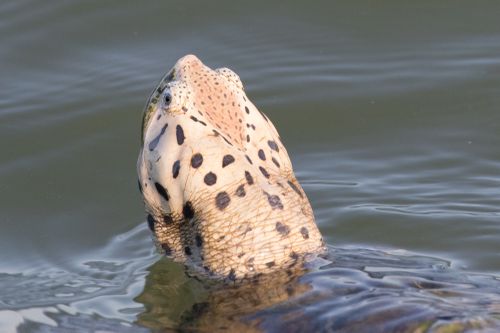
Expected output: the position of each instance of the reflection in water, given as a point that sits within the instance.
(211, 305)
(351, 290)
(355, 290)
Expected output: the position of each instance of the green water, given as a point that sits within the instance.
(389, 110)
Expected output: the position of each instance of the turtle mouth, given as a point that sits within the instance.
(153, 101)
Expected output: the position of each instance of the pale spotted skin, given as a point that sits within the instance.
(217, 182)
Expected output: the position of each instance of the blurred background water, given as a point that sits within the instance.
(389, 110)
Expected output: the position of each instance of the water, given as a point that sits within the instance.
(388, 110)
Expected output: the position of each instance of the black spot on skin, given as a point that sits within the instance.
(202, 122)
(264, 172)
(275, 161)
(151, 223)
(240, 191)
(199, 241)
(210, 178)
(196, 160)
(194, 118)
(226, 160)
(283, 229)
(215, 132)
(179, 133)
(304, 232)
(295, 188)
(248, 159)
(162, 191)
(248, 138)
(184, 109)
(295, 258)
(249, 178)
(187, 250)
(262, 155)
(175, 168)
(167, 219)
(167, 249)
(241, 254)
(140, 186)
(154, 142)
(232, 275)
(273, 145)
(274, 201)
(227, 141)
(188, 210)
(247, 110)
(222, 200)
(270, 264)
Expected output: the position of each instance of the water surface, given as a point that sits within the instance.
(389, 111)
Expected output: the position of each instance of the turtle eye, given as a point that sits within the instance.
(167, 98)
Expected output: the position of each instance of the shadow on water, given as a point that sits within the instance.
(352, 290)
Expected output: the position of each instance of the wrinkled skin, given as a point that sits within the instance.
(217, 182)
